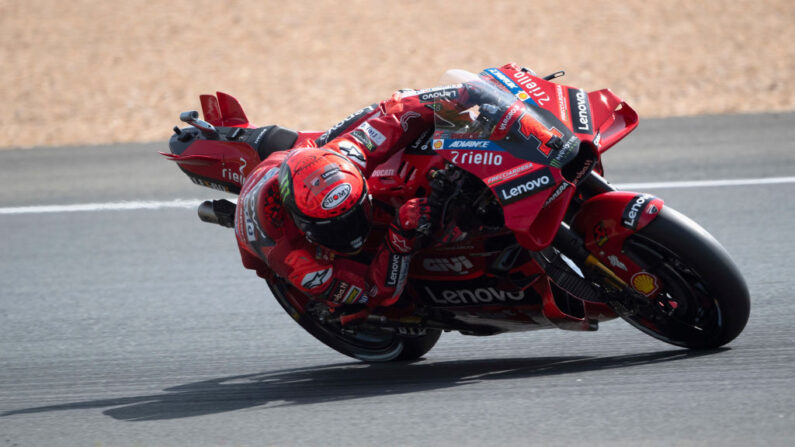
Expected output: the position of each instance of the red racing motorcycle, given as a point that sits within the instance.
(532, 236)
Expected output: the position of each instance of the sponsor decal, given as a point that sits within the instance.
(353, 294)
(236, 177)
(285, 184)
(653, 209)
(562, 110)
(514, 110)
(480, 295)
(397, 270)
(404, 120)
(586, 168)
(399, 243)
(375, 135)
(349, 120)
(523, 96)
(260, 135)
(338, 291)
(253, 229)
(485, 158)
(508, 174)
(634, 209)
(563, 186)
(353, 153)
(211, 185)
(566, 153)
(524, 186)
(336, 196)
(383, 173)
(421, 144)
(457, 264)
(360, 136)
(474, 144)
(331, 170)
(600, 234)
(615, 262)
(645, 283)
(437, 144)
(316, 279)
(504, 80)
(580, 111)
(270, 174)
(441, 93)
(529, 84)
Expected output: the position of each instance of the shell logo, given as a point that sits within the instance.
(645, 283)
(437, 144)
(523, 96)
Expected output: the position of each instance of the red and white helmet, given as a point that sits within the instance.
(326, 195)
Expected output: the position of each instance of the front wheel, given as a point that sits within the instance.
(375, 346)
(704, 302)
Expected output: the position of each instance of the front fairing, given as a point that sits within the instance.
(505, 137)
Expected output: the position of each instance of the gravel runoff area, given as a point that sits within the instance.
(95, 72)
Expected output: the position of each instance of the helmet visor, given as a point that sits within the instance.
(345, 233)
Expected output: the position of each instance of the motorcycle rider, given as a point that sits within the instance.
(303, 213)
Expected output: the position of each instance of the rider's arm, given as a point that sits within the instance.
(388, 272)
(394, 124)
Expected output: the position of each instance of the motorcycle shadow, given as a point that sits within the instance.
(346, 381)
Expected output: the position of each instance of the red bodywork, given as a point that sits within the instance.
(455, 276)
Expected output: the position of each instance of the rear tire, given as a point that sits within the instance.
(702, 288)
(367, 346)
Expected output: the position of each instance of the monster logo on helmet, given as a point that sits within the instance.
(284, 184)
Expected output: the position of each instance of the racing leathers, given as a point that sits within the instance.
(271, 244)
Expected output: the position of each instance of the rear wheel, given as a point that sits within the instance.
(377, 345)
(704, 302)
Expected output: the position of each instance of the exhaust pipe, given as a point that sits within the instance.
(221, 212)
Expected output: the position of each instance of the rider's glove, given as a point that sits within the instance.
(489, 114)
(412, 220)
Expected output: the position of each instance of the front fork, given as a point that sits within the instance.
(601, 221)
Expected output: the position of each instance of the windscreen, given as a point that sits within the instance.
(476, 114)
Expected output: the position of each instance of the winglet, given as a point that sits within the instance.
(231, 111)
(211, 110)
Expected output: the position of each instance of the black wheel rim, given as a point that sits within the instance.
(684, 312)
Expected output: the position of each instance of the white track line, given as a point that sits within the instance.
(193, 203)
(109, 206)
(708, 183)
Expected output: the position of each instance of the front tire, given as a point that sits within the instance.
(704, 302)
(375, 346)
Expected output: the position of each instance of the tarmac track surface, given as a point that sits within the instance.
(140, 327)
